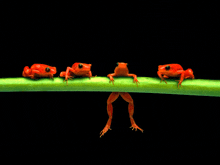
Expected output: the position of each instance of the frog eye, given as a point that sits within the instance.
(47, 69)
(80, 65)
(167, 67)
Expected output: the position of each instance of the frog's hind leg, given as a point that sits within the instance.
(26, 72)
(127, 97)
(35, 74)
(51, 76)
(113, 96)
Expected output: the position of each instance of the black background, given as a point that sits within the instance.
(142, 34)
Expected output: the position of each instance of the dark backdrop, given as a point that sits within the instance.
(142, 34)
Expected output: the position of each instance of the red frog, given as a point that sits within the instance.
(120, 70)
(39, 70)
(78, 69)
(174, 70)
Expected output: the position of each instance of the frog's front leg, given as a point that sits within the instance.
(90, 75)
(34, 73)
(63, 74)
(26, 72)
(68, 69)
(127, 97)
(51, 76)
(111, 77)
(135, 78)
(113, 96)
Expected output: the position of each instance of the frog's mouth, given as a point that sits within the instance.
(87, 68)
(161, 68)
(53, 70)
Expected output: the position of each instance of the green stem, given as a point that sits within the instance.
(121, 84)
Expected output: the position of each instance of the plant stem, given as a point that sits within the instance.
(121, 84)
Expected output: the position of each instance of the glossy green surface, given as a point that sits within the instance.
(121, 84)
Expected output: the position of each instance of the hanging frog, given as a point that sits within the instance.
(120, 70)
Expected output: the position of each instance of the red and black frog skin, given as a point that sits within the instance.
(174, 70)
(39, 70)
(120, 70)
(77, 69)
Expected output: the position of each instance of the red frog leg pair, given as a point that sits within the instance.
(127, 97)
(183, 75)
(127, 75)
(70, 75)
